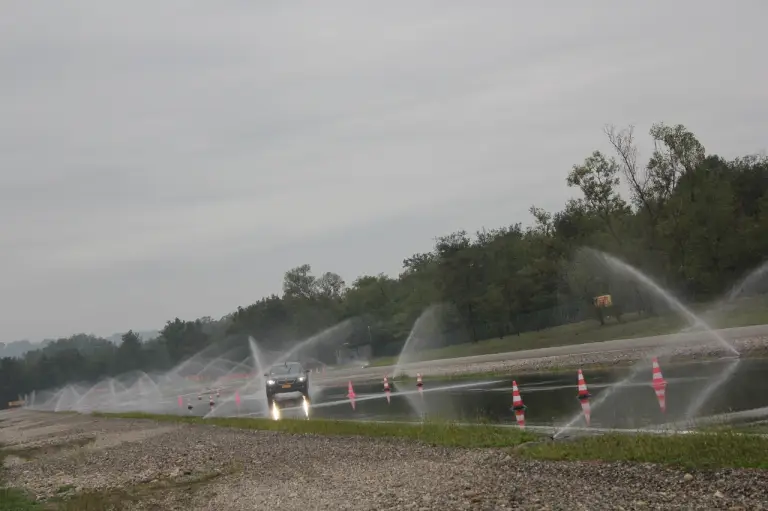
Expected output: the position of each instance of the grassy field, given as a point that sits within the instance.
(748, 312)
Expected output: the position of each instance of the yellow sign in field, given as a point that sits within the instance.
(603, 301)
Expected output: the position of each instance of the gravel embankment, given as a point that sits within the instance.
(757, 346)
(527, 361)
(263, 470)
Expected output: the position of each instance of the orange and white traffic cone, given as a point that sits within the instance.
(583, 396)
(351, 394)
(211, 402)
(518, 406)
(420, 385)
(659, 385)
(386, 388)
(586, 410)
(583, 392)
(199, 397)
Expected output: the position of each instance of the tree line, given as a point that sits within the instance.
(693, 220)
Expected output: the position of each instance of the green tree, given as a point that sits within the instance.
(129, 355)
(598, 180)
(299, 283)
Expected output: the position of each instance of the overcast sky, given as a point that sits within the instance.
(174, 158)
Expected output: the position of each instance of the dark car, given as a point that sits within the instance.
(288, 377)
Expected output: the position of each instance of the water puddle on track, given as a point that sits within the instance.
(550, 398)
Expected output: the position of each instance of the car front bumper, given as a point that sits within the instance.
(284, 388)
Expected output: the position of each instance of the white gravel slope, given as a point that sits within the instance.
(273, 471)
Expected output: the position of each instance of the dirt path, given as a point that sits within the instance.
(146, 465)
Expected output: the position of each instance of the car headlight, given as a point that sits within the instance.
(301, 379)
(270, 382)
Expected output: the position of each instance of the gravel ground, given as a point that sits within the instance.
(236, 469)
(755, 346)
(522, 361)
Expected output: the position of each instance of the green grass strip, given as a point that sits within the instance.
(430, 432)
(725, 449)
(12, 499)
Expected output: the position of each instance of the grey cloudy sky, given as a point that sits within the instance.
(174, 158)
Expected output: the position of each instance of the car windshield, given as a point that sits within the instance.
(285, 369)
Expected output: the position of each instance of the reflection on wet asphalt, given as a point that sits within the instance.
(550, 398)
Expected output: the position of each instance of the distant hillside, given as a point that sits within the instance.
(19, 348)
